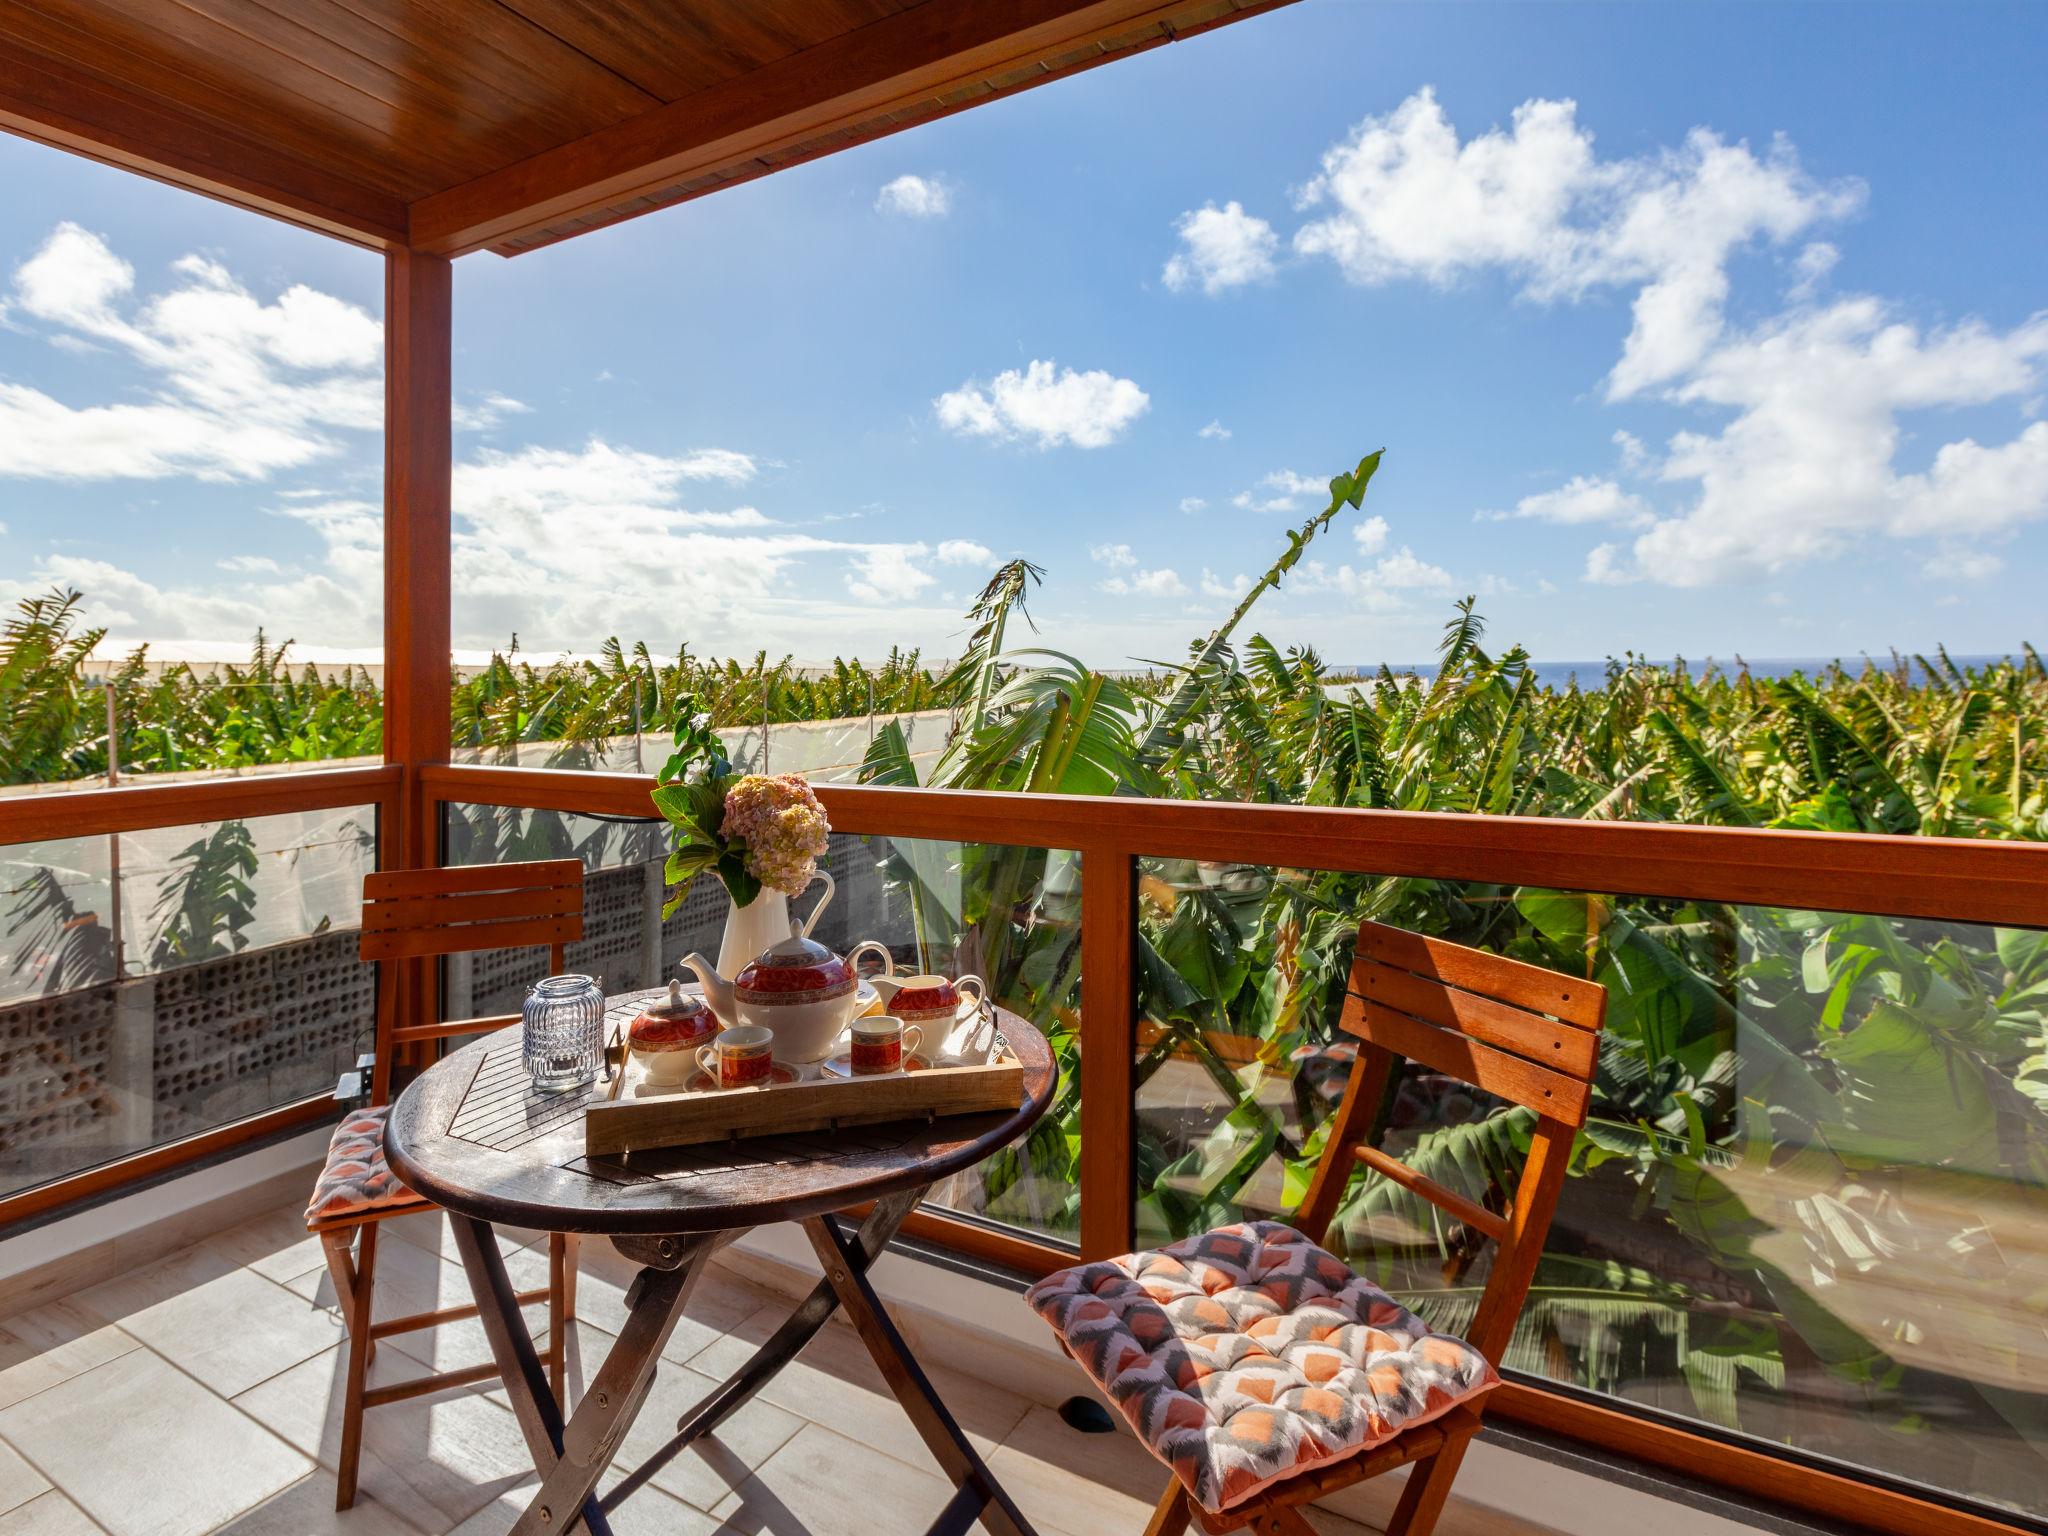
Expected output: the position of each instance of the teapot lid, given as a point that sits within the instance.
(677, 1005)
(798, 949)
(680, 1018)
(795, 965)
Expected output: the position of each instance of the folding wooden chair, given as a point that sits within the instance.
(1261, 1368)
(423, 913)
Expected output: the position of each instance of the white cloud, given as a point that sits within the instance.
(889, 573)
(1956, 562)
(1193, 503)
(242, 389)
(1118, 557)
(1160, 583)
(1215, 586)
(963, 552)
(250, 565)
(1403, 570)
(1287, 487)
(1807, 468)
(487, 412)
(1215, 432)
(1407, 200)
(1814, 262)
(1222, 248)
(1584, 499)
(1045, 403)
(1371, 535)
(1808, 410)
(916, 197)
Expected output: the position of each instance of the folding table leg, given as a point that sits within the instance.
(846, 1272)
(571, 1458)
(781, 1347)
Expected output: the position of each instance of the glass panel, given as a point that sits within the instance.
(1811, 1204)
(161, 983)
(616, 735)
(1011, 915)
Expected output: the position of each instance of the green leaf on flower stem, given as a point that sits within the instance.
(739, 883)
(673, 801)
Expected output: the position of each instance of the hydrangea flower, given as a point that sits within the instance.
(782, 826)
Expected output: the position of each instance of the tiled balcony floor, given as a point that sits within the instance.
(203, 1393)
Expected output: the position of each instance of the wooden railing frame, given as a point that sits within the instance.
(1947, 878)
(86, 813)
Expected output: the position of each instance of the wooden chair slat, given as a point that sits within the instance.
(389, 883)
(1496, 1072)
(1583, 1003)
(467, 907)
(468, 937)
(1491, 1223)
(1564, 1047)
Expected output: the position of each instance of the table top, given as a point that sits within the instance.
(472, 1134)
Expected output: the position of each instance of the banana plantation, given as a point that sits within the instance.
(1809, 1127)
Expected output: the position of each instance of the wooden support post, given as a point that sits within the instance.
(418, 431)
(1109, 1044)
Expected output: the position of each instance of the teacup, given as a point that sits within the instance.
(879, 1042)
(740, 1057)
(931, 1000)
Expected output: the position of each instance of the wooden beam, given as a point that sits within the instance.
(418, 468)
(57, 104)
(887, 66)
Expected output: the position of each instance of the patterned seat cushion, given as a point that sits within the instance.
(356, 1177)
(1248, 1355)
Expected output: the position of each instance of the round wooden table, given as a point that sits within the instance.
(471, 1134)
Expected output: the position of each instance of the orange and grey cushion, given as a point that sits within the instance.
(1249, 1355)
(356, 1177)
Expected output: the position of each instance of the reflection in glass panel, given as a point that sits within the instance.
(160, 983)
(1811, 1204)
(1010, 915)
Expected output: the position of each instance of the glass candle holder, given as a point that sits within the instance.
(563, 1044)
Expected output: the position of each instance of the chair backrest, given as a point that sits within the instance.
(414, 912)
(1513, 1030)
(423, 913)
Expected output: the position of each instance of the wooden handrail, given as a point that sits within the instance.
(138, 807)
(1958, 879)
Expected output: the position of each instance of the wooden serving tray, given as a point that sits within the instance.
(682, 1118)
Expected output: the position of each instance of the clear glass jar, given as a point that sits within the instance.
(564, 1040)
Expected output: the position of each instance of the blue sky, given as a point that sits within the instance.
(1696, 329)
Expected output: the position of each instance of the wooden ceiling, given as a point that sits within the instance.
(459, 125)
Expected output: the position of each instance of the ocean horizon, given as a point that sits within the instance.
(1591, 674)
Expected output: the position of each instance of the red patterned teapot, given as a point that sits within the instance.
(797, 989)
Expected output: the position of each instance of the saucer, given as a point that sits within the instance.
(701, 1081)
(841, 1067)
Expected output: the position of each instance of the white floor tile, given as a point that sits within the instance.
(147, 1451)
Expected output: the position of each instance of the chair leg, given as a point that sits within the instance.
(357, 1312)
(1171, 1516)
(1429, 1486)
(562, 1250)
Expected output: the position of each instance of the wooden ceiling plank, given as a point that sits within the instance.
(412, 94)
(56, 104)
(199, 90)
(670, 52)
(855, 78)
(535, 75)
